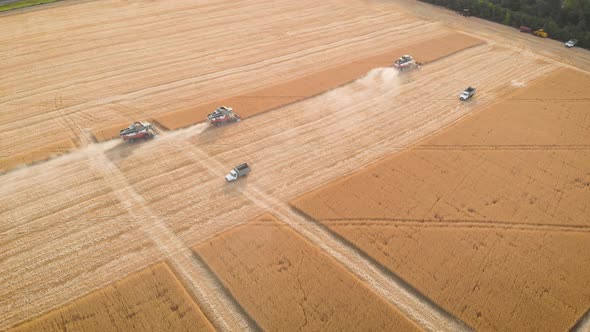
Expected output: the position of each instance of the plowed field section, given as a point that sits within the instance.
(285, 283)
(490, 219)
(150, 300)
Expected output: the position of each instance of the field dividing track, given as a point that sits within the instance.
(222, 310)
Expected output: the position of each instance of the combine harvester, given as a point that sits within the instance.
(138, 130)
(406, 62)
(223, 115)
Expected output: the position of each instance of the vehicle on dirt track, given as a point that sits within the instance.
(406, 62)
(465, 12)
(223, 114)
(467, 93)
(239, 171)
(138, 130)
(571, 43)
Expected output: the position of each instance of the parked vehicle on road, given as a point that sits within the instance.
(571, 43)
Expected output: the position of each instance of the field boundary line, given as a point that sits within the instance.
(456, 223)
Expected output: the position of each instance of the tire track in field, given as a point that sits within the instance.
(457, 223)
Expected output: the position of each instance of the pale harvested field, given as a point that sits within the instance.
(286, 283)
(134, 60)
(79, 222)
(491, 218)
(152, 299)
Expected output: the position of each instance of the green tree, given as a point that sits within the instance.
(507, 18)
(562, 19)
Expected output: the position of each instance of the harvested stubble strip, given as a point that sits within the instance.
(275, 96)
(108, 133)
(150, 300)
(285, 283)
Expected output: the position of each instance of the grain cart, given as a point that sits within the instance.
(138, 130)
(238, 172)
(223, 115)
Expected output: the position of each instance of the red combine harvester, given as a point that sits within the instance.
(138, 130)
(223, 115)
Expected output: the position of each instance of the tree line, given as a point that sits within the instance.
(561, 19)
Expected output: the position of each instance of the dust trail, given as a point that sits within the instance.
(114, 149)
(223, 311)
(40, 172)
(517, 84)
(414, 305)
(185, 133)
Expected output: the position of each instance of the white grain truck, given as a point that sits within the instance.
(238, 172)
